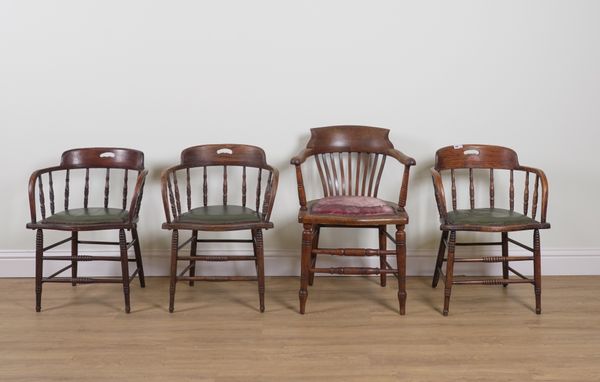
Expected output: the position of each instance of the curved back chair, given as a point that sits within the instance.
(350, 162)
(80, 167)
(469, 161)
(200, 215)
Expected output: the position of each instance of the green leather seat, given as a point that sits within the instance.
(488, 217)
(89, 216)
(220, 215)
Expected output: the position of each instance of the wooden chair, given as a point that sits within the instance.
(75, 166)
(350, 162)
(468, 161)
(224, 216)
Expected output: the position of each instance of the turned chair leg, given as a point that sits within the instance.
(313, 256)
(74, 250)
(173, 279)
(440, 259)
(138, 256)
(449, 272)
(39, 252)
(124, 268)
(307, 234)
(401, 262)
(537, 271)
(260, 266)
(193, 253)
(505, 254)
(382, 258)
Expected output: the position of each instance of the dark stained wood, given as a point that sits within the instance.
(364, 149)
(451, 159)
(218, 156)
(84, 159)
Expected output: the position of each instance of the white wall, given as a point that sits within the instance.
(163, 75)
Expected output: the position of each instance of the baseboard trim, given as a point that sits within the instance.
(420, 262)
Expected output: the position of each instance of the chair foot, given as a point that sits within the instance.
(303, 295)
(446, 301)
(538, 301)
(445, 313)
(402, 302)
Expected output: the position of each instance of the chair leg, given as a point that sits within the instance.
(173, 279)
(505, 254)
(39, 252)
(313, 257)
(449, 272)
(124, 268)
(307, 234)
(440, 259)
(383, 258)
(537, 271)
(401, 261)
(193, 253)
(138, 256)
(260, 266)
(74, 248)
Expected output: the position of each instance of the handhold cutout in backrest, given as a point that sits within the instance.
(107, 154)
(225, 151)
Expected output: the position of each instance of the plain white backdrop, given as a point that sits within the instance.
(160, 76)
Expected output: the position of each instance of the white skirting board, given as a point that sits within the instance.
(287, 263)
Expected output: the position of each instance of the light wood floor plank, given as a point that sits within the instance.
(352, 332)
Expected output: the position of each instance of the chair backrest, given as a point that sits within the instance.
(350, 159)
(476, 156)
(232, 158)
(103, 157)
(74, 172)
(224, 155)
(469, 160)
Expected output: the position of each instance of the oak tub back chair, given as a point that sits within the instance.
(350, 161)
(481, 167)
(79, 169)
(240, 168)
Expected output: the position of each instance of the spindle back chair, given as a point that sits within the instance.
(195, 215)
(76, 167)
(467, 162)
(350, 161)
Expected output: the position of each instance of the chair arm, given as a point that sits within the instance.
(401, 157)
(440, 195)
(138, 192)
(544, 182)
(272, 191)
(168, 203)
(301, 157)
(31, 189)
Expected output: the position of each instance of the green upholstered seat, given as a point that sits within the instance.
(220, 215)
(89, 216)
(488, 217)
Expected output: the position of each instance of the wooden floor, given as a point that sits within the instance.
(351, 332)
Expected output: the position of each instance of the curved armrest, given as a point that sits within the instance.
(401, 157)
(544, 182)
(168, 204)
(301, 157)
(32, 182)
(138, 192)
(270, 193)
(440, 195)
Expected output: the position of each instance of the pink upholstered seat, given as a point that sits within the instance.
(351, 205)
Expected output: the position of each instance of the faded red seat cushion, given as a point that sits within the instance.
(351, 205)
